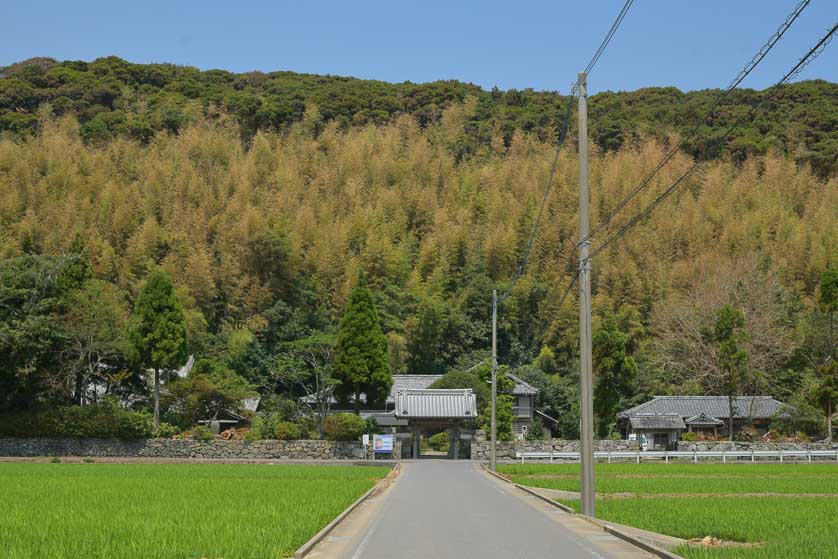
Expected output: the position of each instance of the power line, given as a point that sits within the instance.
(568, 290)
(746, 70)
(608, 36)
(522, 264)
(810, 56)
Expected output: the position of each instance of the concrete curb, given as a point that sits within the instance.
(545, 499)
(306, 548)
(653, 549)
(497, 475)
(648, 547)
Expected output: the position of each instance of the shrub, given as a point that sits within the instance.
(166, 431)
(536, 431)
(308, 426)
(287, 431)
(250, 435)
(280, 405)
(689, 437)
(274, 426)
(439, 442)
(202, 433)
(88, 460)
(98, 421)
(797, 416)
(343, 427)
(55, 460)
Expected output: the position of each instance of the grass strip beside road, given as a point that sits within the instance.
(157, 511)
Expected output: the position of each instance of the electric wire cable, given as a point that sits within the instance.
(522, 263)
(746, 70)
(608, 36)
(810, 56)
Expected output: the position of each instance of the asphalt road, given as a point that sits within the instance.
(446, 509)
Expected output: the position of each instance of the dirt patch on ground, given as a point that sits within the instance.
(710, 541)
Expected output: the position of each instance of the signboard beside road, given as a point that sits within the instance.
(382, 444)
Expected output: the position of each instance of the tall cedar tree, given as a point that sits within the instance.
(361, 360)
(730, 334)
(159, 330)
(826, 392)
(615, 371)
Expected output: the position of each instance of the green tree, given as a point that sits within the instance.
(729, 334)
(561, 400)
(504, 404)
(32, 299)
(828, 306)
(306, 365)
(158, 331)
(94, 329)
(460, 379)
(78, 269)
(209, 389)
(425, 339)
(361, 360)
(615, 373)
(826, 392)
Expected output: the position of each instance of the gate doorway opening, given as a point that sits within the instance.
(452, 443)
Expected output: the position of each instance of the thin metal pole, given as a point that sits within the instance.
(493, 454)
(586, 380)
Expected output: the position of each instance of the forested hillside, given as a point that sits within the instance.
(112, 97)
(265, 226)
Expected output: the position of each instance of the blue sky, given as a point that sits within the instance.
(538, 44)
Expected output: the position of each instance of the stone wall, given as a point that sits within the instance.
(168, 448)
(692, 446)
(506, 450)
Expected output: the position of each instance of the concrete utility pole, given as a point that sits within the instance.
(586, 377)
(493, 452)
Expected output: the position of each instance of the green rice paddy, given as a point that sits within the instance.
(157, 511)
(790, 528)
(651, 479)
(693, 501)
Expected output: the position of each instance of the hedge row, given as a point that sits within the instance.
(99, 421)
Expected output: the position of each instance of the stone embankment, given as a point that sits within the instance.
(506, 450)
(186, 448)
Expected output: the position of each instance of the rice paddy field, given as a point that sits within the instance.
(790, 510)
(153, 511)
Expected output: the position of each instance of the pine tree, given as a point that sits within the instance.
(361, 360)
(159, 330)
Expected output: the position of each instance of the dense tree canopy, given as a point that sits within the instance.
(264, 240)
(114, 98)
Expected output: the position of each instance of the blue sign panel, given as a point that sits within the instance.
(382, 444)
